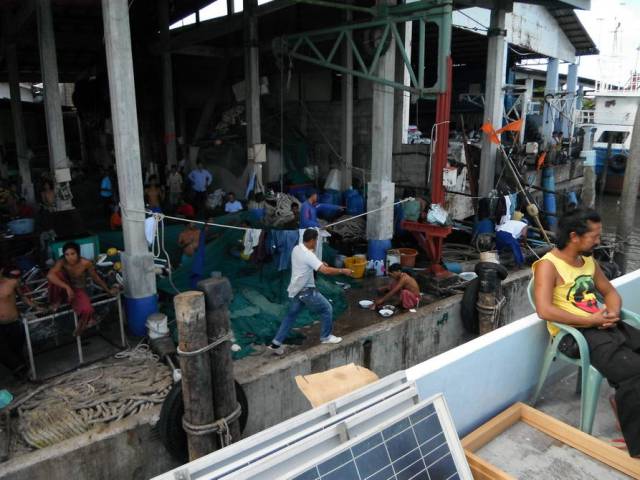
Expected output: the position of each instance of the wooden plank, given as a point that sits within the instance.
(483, 470)
(592, 446)
(494, 427)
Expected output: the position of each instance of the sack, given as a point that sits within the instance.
(438, 215)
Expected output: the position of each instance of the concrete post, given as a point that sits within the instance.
(346, 146)
(252, 79)
(167, 86)
(53, 106)
(493, 97)
(22, 149)
(526, 100)
(550, 89)
(381, 189)
(139, 275)
(569, 106)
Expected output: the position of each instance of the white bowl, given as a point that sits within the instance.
(468, 276)
(365, 303)
(385, 312)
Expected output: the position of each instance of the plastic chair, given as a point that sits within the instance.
(591, 378)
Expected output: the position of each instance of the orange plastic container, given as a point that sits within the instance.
(407, 256)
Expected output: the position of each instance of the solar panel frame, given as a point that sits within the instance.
(353, 461)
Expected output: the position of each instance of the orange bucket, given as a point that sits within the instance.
(357, 265)
(407, 256)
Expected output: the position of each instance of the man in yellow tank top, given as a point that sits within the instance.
(566, 282)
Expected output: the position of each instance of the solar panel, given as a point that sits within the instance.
(414, 447)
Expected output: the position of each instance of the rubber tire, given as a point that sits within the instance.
(468, 309)
(172, 436)
(500, 269)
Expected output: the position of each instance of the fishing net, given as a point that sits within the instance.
(260, 298)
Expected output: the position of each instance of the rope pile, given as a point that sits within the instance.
(74, 403)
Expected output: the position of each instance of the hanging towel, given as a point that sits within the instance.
(506, 216)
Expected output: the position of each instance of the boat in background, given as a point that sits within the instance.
(612, 118)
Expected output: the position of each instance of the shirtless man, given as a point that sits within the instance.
(11, 332)
(154, 194)
(68, 281)
(403, 285)
(188, 240)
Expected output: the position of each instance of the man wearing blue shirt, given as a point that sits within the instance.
(200, 181)
(308, 214)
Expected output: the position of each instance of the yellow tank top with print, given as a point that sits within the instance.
(577, 293)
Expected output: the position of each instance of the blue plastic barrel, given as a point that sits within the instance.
(572, 198)
(354, 202)
(330, 196)
(549, 197)
(138, 310)
(377, 249)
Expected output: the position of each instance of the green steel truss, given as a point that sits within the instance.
(305, 46)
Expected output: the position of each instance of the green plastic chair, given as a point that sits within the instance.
(591, 378)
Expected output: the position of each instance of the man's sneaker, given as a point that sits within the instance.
(331, 339)
(276, 349)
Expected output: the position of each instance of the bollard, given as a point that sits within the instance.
(196, 377)
(218, 295)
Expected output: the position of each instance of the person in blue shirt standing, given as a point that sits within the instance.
(200, 181)
(308, 213)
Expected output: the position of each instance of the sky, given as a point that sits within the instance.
(614, 25)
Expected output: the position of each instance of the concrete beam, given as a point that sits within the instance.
(494, 98)
(167, 87)
(22, 149)
(346, 144)
(551, 88)
(58, 160)
(139, 273)
(570, 104)
(381, 188)
(252, 73)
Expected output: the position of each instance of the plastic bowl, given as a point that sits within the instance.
(365, 303)
(385, 312)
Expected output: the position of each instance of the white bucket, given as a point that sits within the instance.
(393, 256)
(157, 325)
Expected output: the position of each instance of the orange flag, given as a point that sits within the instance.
(488, 129)
(511, 127)
(540, 161)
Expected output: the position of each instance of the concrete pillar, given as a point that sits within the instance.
(402, 98)
(139, 275)
(551, 88)
(252, 74)
(230, 7)
(167, 86)
(53, 106)
(526, 100)
(22, 149)
(252, 79)
(346, 145)
(493, 97)
(569, 106)
(381, 190)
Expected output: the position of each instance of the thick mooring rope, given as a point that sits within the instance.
(74, 403)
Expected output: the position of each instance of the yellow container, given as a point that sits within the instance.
(357, 265)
